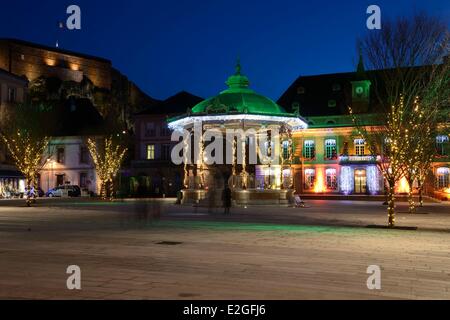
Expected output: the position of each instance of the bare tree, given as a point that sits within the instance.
(411, 80)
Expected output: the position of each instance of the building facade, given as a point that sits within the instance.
(13, 90)
(67, 162)
(330, 157)
(152, 171)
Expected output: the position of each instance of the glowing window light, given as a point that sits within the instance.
(442, 177)
(331, 178)
(310, 175)
(347, 182)
(443, 170)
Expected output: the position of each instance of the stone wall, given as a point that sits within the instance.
(33, 61)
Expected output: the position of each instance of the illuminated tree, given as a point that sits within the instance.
(408, 55)
(25, 132)
(107, 156)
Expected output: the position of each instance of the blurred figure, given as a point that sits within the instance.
(226, 199)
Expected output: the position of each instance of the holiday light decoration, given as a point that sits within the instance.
(346, 180)
(372, 179)
(107, 157)
(26, 153)
(243, 172)
(295, 123)
(391, 140)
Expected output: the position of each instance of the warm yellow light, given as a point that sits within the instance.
(403, 186)
(319, 185)
(50, 62)
(74, 67)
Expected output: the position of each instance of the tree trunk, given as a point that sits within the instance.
(103, 190)
(111, 190)
(420, 189)
(391, 204)
(411, 204)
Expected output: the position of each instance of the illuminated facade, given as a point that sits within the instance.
(330, 157)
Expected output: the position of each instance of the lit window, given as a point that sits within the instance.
(330, 149)
(359, 147)
(310, 177)
(331, 179)
(442, 178)
(309, 150)
(441, 145)
(150, 152)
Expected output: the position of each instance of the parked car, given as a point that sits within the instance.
(72, 191)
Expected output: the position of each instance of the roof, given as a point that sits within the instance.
(237, 103)
(48, 48)
(313, 94)
(176, 104)
(239, 98)
(13, 76)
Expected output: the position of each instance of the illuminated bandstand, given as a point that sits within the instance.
(256, 159)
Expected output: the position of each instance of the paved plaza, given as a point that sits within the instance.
(158, 250)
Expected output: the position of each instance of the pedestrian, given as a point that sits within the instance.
(227, 199)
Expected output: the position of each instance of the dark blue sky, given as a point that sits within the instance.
(166, 46)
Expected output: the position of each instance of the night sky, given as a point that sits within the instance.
(166, 46)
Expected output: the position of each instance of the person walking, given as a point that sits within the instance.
(227, 199)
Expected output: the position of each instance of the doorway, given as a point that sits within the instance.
(360, 181)
(59, 180)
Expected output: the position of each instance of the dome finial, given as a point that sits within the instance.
(238, 65)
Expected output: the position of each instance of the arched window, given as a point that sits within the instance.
(330, 149)
(309, 151)
(441, 145)
(331, 179)
(359, 147)
(442, 178)
(310, 177)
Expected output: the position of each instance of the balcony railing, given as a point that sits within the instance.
(354, 159)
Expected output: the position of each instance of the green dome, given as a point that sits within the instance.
(238, 98)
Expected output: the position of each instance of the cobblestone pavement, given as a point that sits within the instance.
(139, 250)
